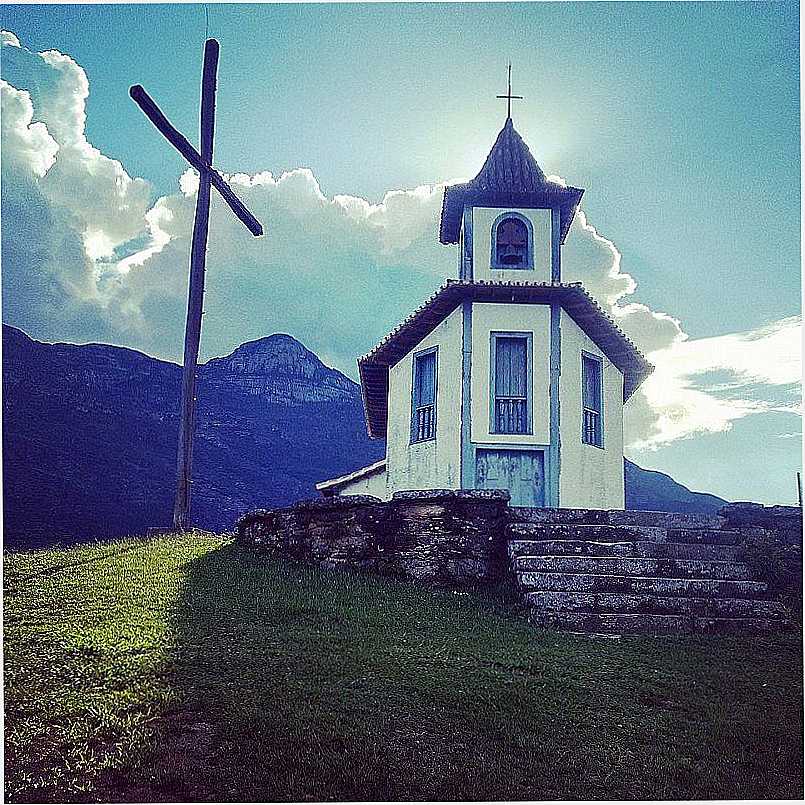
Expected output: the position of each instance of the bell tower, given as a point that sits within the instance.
(509, 221)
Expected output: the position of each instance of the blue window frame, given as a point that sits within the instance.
(423, 396)
(592, 426)
(512, 242)
(510, 383)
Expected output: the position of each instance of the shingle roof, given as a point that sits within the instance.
(510, 177)
(583, 309)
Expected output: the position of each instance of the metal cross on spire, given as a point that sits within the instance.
(509, 97)
(208, 177)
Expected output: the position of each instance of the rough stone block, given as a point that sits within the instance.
(704, 536)
(635, 566)
(590, 582)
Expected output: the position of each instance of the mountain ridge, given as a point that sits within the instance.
(89, 438)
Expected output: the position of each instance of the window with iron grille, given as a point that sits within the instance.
(592, 426)
(423, 397)
(511, 411)
(512, 242)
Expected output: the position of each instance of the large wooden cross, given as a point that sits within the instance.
(208, 177)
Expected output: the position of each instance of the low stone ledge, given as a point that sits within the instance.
(501, 495)
(337, 502)
(328, 503)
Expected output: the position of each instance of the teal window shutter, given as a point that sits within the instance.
(591, 394)
(511, 414)
(423, 402)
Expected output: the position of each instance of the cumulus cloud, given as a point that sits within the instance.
(89, 255)
(28, 145)
(705, 384)
(66, 207)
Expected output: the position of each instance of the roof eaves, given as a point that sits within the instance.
(452, 293)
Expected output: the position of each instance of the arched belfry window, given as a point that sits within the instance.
(512, 242)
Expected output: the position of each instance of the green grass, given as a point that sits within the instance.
(183, 669)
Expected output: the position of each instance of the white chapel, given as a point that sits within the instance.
(506, 377)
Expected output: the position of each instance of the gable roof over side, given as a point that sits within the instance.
(510, 177)
(334, 485)
(582, 308)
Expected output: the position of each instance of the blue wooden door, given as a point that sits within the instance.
(522, 472)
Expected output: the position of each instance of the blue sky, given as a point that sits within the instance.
(680, 120)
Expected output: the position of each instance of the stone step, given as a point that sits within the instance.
(709, 536)
(615, 517)
(623, 533)
(665, 519)
(637, 623)
(597, 582)
(654, 604)
(586, 532)
(647, 548)
(525, 514)
(634, 566)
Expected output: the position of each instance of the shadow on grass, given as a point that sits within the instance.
(298, 685)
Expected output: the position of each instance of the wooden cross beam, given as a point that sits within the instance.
(208, 177)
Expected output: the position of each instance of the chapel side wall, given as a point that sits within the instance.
(482, 220)
(375, 484)
(495, 317)
(434, 464)
(591, 477)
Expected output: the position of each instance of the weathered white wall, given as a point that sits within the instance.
(375, 484)
(435, 463)
(489, 317)
(591, 477)
(482, 220)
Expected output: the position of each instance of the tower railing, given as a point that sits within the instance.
(591, 428)
(424, 425)
(511, 415)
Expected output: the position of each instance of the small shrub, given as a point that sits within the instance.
(778, 564)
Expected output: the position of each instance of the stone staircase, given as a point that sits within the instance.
(621, 572)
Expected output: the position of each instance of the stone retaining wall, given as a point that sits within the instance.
(454, 538)
(785, 521)
(440, 536)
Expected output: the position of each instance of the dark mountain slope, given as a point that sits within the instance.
(89, 438)
(655, 491)
(89, 435)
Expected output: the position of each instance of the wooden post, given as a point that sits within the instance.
(799, 488)
(195, 296)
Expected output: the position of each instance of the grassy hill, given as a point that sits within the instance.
(180, 668)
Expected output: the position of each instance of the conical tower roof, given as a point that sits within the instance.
(510, 177)
(510, 165)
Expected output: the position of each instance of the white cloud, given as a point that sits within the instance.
(703, 385)
(770, 354)
(88, 256)
(8, 38)
(26, 144)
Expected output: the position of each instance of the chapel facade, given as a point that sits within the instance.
(506, 377)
